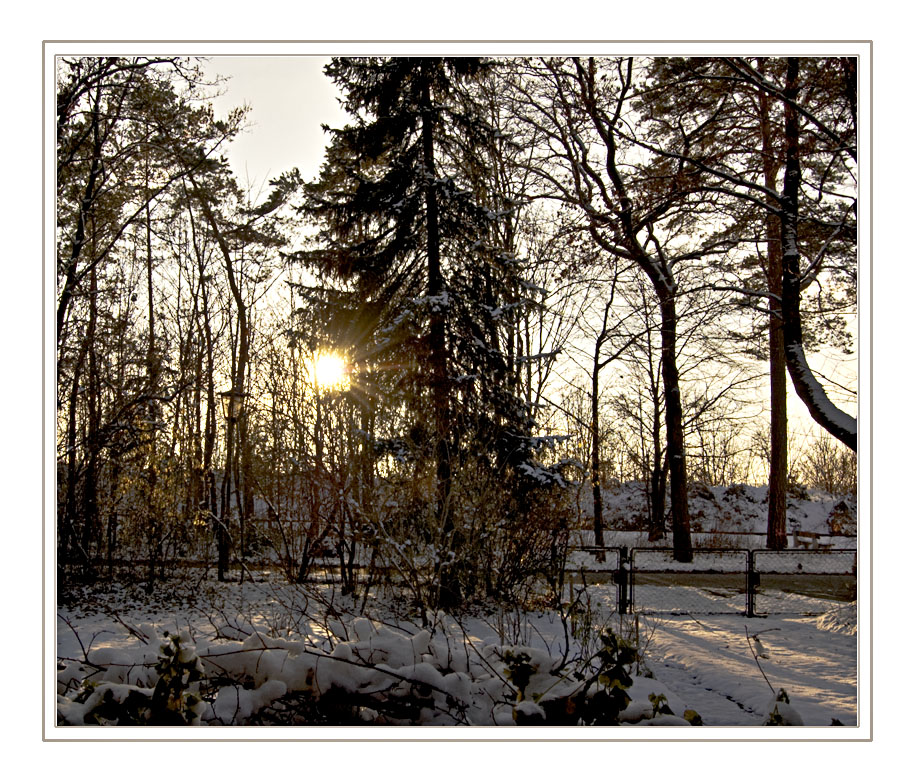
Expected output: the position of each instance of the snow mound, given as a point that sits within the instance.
(841, 619)
(721, 516)
(781, 713)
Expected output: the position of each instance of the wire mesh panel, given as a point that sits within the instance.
(714, 582)
(597, 565)
(593, 560)
(803, 582)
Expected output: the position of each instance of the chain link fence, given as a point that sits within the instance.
(722, 581)
(801, 581)
(714, 582)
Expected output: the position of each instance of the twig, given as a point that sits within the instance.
(85, 651)
(132, 631)
(755, 656)
(85, 654)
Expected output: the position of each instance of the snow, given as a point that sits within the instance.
(721, 517)
(697, 662)
(840, 619)
(271, 642)
(436, 303)
(707, 662)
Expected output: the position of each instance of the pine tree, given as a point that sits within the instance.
(728, 121)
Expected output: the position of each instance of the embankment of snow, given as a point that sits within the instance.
(841, 619)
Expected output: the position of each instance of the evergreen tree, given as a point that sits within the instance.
(411, 219)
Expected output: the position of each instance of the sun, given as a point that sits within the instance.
(331, 371)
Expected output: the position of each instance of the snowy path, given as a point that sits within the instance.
(707, 663)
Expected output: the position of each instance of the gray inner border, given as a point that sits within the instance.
(437, 42)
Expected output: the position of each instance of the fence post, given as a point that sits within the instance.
(622, 577)
(752, 581)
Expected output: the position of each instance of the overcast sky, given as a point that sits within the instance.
(289, 99)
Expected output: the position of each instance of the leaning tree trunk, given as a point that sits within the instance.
(839, 424)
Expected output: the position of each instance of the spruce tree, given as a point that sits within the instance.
(409, 219)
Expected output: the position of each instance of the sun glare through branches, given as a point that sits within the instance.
(331, 371)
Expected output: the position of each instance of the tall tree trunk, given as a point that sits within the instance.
(779, 458)
(598, 524)
(659, 466)
(658, 476)
(93, 415)
(657, 270)
(223, 539)
(199, 468)
(239, 374)
(67, 538)
(210, 427)
(450, 596)
(244, 484)
(85, 207)
(675, 438)
(223, 536)
(154, 522)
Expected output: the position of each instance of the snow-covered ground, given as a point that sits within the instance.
(707, 663)
(734, 516)
(699, 649)
(700, 662)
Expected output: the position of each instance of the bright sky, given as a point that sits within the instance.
(289, 99)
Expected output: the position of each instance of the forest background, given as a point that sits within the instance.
(527, 271)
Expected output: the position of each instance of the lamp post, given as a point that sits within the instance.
(232, 404)
(232, 408)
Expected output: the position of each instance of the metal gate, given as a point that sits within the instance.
(714, 582)
(603, 564)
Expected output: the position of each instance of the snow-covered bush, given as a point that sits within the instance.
(781, 713)
(593, 691)
(841, 619)
(173, 700)
(499, 543)
(365, 672)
